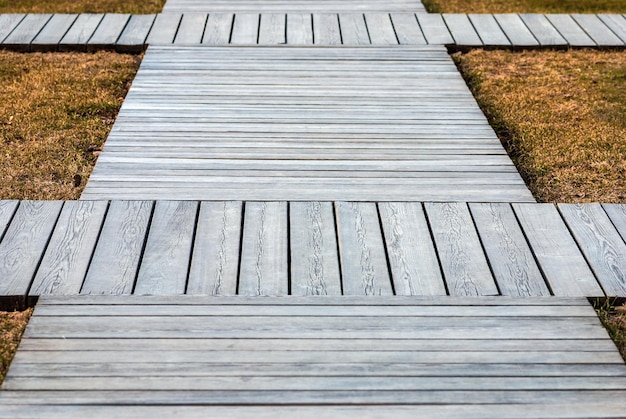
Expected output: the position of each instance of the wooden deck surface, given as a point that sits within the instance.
(273, 6)
(311, 248)
(94, 356)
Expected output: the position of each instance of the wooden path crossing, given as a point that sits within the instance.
(198, 357)
(126, 33)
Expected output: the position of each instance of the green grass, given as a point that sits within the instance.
(525, 6)
(81, 6)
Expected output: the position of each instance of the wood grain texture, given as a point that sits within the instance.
(353, 29)
(462, 30)
(326, 29)
(164, 29)
(380, 29)
(569, 29)
(7, 210)
(616, 23)
(597, 30)
(191, 29)
(8, 22)
(488, 30)
(108, 31)
(434, 29)
(81, 31)
(24, 33)
(407, 29)
(133, 38)
(299, 29)
(516, 30)
(218, 29)
(215, 259)
(273, 29)
(51, 34)
(542, 30)
(617, 214)
(245, 29)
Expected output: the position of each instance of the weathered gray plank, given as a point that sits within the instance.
(115, 261)
(543, 30)
(617, 214)
(191, 29)
(597, 30)
(412, 258)
(601, 244)
(83, 28)
(313, 243)
(488, 30)
(299, 29)
(24, 243)
(561, 262)
(264, 268)
(380, 29)
(463, 262)
(218, 28)
(65, 263)
(363, 260)
(569, 29)
(326, 29)
(434, 29)
(407, 29)
(353, 29)
(108, 32)
(509, 256)
(7, 210)
(272, 29)
(615, 22)
(215, 259)
(462, 30)
(245, 29)
(50, 36)
(516, 30)
(24, 33)
(8, 22)
(133, 38)
(165, 261)
(164, 29)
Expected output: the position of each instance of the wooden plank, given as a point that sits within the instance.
(50, 36)
(133, 38)
(412, 258)
(569, 29)
(115, 261)
(299, 29)
(462, 30)
(353, 29)
(597, 30)
(314, 253)
(434, 29)
(273, 29)
(164, 29)
(560, 260)
(380, 29)
(363, 260)
(8, 22)
(65, 262)
(616, 23)
(264, 267)
(108, 32)
(509, 256)
(245, 29)
(24, 33)
(191, 29)
(326, 29)
(81, 31)
(617, 214)
(515, 29)
(218, 29)
(165, 262)
(24, 243)
(601, 244)
(215, 260)
(543, 30)
(464, 265)
(407, 29)
(7, 210)
(488, 30)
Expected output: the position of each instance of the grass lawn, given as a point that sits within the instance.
(12, 325)
(56, 110)
(81, 6)
(614, 320)
(525, 6)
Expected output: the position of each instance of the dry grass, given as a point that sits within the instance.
(12, 325)
(561, 116)
(81, 6)
(525, 6)
(614, 320)
(55, 110)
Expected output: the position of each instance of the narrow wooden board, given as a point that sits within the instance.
(380, 29)
(133, 38)
(569, 29)
(8, 22)
(27, 30)
(215, 260)
(326, 29)
(617, 214)
(65, 262)
(597, 30)
(115, 261)
(264, 269)
(434, 29)
(81, 31)
(299, 29)
(464, 265)
(353, 29)
(164, 29)
(543, 30)
(561, 262)
(50, 36)
(361, 249)
(515, 29)
(488, 30)
(108, 32)
(7, 210)
(601, 244)
(616, 23)
(462, 30)
(412, 258)
(218, 29)
(314, 252)
(407, 29)
(510, 258)
(191, 29)
(245, 29)
(273, 29)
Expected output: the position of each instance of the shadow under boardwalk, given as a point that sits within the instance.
(317, 356)
(303, 123)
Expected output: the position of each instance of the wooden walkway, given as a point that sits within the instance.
(198, 357)
(126, 33)
(312, 248)
(332, 123)
(282, 6)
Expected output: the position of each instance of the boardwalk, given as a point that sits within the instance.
(293, 6)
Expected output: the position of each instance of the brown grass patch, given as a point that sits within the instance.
(525, 6)
(561, 116)
(81, 6)
(55, 111)
(12, 325)
(614, 320)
